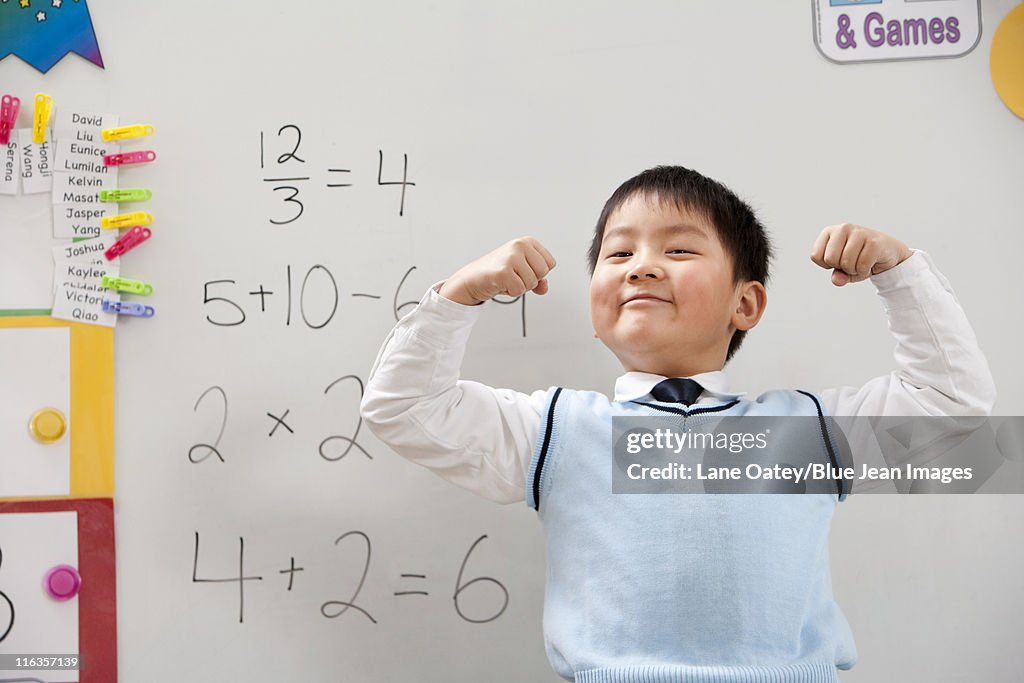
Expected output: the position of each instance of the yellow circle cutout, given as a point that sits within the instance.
(47, 425)
(1006, 60)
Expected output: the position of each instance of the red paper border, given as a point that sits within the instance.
(97, 599)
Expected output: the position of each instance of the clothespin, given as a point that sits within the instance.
(125, 285)
(140, 157)
(126, 132)
(9, 107)
(124, 308)
(125, 219)
(128, 241)
(41, 118)
(132, 194)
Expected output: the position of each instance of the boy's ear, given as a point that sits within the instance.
(753, 298)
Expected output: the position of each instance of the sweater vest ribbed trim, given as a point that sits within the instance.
(798, 673)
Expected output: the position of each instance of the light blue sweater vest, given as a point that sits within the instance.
(713, 588)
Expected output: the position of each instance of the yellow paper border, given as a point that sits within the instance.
(92, 404)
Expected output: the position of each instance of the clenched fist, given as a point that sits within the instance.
(514, 268)
(856, 253)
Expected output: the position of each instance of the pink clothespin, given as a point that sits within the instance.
(139, 157)
(9, 107)
(128, 241)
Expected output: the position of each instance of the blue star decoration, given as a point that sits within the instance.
(42, 38)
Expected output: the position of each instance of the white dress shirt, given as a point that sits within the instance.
(482, 438)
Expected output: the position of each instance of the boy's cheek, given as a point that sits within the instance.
(602, 298)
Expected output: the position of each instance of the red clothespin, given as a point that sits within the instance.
(9, 107)
(129, 240)
(140, 157)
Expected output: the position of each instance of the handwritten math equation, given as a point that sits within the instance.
(478, 606)
(277, 423)
(227, 303)
(288, 173)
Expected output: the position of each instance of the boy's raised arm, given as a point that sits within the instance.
(940, 369)
(475, 436)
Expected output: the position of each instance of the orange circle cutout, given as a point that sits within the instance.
(1006, 61)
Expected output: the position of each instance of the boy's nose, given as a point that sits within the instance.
(645, 271)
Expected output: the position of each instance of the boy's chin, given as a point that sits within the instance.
(646, 333)
(642, 344)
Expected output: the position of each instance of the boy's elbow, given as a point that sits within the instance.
(973, 398)
(380, 413)
(368, 408)
(389, 415)
(967, 396)
(977, 395)
(986, 394)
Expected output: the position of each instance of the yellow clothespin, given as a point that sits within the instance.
(126, 220)
(44, 107)
(126, 132)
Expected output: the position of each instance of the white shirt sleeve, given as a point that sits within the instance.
(940, 369)
(473, 435)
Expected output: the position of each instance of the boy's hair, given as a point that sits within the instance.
(740, 232)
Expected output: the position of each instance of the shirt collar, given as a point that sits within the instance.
(634, 385)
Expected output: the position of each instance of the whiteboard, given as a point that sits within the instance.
(283, 557)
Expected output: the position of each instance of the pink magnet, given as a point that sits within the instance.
(62, 582)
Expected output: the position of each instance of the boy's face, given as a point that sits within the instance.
(662, 296)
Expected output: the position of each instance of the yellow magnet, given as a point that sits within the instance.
(47, 425)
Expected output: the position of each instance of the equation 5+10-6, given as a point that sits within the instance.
(221, 299)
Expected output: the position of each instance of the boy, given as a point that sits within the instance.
(667, 588)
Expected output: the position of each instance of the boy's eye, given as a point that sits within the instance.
(624, 254)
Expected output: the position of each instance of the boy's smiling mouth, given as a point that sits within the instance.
(645, 297)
